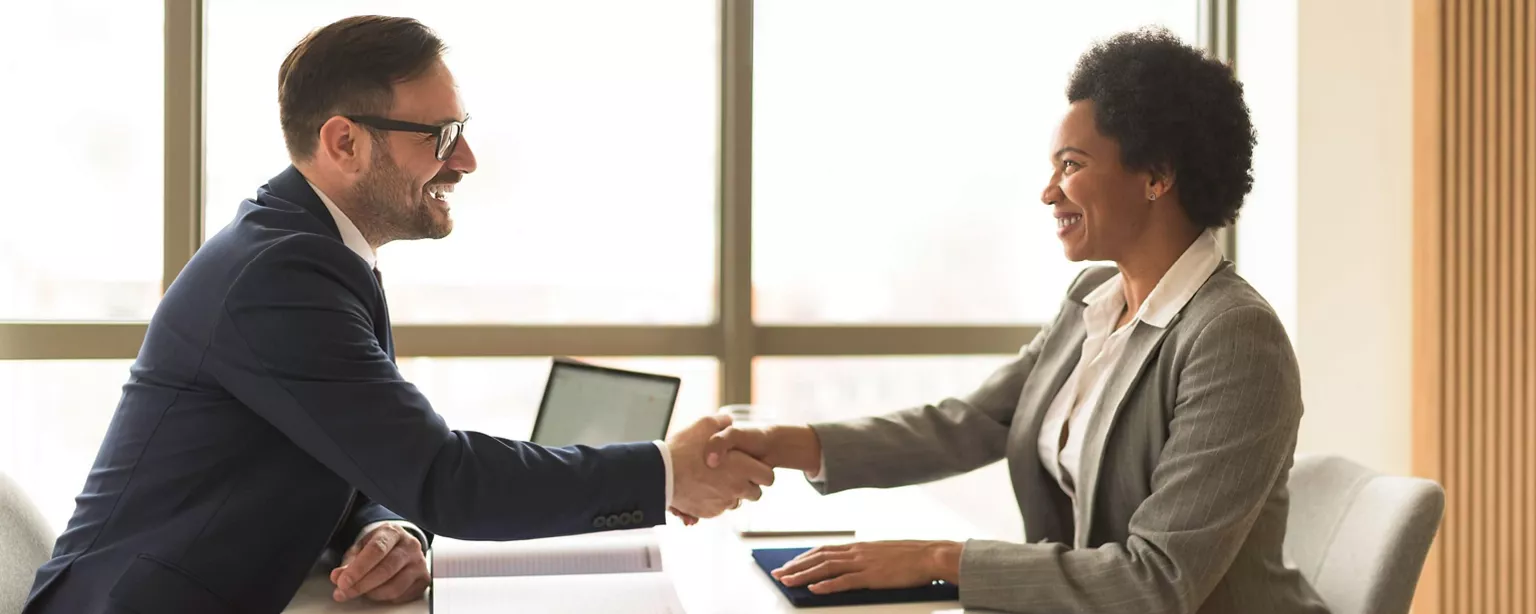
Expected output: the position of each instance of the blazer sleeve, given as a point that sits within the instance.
(295, 343)
(366, 512)
(926, 443)
(1231, 433)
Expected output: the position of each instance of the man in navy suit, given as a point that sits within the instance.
(264, 422)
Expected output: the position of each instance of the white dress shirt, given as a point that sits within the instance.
(354, 240)
(1061, 434)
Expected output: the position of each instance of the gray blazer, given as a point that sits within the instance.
(1183, 473)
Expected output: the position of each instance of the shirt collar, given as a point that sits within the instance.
(350, 235)
(1199, 261)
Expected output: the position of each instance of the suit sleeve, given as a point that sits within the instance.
(926, 443)
(365, 514)
(296, 345)
(1231, 434)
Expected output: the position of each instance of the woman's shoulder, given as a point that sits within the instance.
(1226, 295)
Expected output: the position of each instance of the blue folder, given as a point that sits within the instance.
(770, 559)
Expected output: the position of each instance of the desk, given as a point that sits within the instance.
(710, 565)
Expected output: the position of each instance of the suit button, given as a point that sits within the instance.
(613, 521)
(628, 518)
(600, 523)
(639, 516)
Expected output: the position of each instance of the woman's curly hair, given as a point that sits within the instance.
(1172, 107)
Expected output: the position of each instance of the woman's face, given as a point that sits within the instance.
(1099, 205)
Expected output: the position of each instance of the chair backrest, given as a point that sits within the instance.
(1358, 536)
(26, 542)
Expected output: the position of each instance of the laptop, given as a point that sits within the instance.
(594, 405)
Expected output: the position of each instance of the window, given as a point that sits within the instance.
(594, 124)
(56, 412)
(83, 225)
(900, 149)
(898, 252)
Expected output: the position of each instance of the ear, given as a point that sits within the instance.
(344, 144)
(1160, 180)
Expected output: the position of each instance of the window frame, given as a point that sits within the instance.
(734, 339)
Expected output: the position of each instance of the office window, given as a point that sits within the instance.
(814, 389)
(500, 396)
(900, 148)
(83, 91)
(55, 415)
(594, 123)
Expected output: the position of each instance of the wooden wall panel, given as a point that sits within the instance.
(1475, 299)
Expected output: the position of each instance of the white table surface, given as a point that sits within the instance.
(711, 567)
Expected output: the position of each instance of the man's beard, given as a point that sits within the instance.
(394, 211)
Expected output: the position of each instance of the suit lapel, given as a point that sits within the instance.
(1139, 349)
(1057, 359)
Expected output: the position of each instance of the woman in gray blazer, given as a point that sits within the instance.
(1149, 428)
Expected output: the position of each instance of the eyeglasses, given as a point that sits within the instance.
(447, 134)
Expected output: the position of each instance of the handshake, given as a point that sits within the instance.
(715, 465)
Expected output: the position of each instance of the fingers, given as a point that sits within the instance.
(718, 445)
(845, 582)
(753, 469)
(402, 587)
(809, 559)
(372, 550)
(384, 572)
(346, 559)
(688, 519)
(825, 570)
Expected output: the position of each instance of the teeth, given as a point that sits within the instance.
(1063, 222)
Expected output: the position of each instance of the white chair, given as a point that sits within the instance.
(26, 542)
(1358, 536)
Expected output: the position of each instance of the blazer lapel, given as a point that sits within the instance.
(1057, 360)
(1139, 350)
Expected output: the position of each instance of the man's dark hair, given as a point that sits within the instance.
(1172, 107)
(349, 67)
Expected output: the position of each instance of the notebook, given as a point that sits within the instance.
(580, 574)
(769, 559)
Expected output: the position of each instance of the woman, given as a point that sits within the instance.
(1167, 368)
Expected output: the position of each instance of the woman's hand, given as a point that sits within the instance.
(887, 564)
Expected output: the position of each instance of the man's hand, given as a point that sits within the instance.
(699, 491)
(792, 446)
(386, 565)
(891, 564)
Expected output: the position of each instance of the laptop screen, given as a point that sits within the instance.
(593, 405)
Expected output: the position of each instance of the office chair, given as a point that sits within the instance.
(26, 541)
(1358, 536)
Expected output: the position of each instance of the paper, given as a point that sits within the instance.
(631, 593)
(596, 553)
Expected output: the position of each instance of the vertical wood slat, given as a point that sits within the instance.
(1475, 298)
(1429, 303)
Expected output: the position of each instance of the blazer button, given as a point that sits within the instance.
(628, 518)
(639, 516)
(614, 522)
(600, 523)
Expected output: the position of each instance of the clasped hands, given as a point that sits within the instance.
(733, 463)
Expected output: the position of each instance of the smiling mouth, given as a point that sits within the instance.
(1063, 223)
(440, 192)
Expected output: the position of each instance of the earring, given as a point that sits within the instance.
(1151, 195)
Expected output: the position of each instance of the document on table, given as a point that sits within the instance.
(631, 593)
(617, 571)
(594, 553)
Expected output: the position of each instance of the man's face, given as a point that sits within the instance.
(406, 187)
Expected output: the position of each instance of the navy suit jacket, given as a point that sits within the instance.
(264, 421)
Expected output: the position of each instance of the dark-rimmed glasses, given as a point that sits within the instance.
(447, 134)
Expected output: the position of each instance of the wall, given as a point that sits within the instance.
(1354, 228)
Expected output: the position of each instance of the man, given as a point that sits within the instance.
(264, 421)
